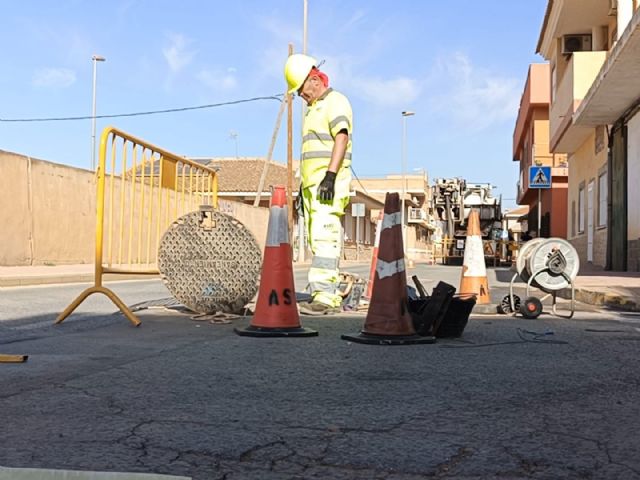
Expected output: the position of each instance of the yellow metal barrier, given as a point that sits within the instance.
(141, 190)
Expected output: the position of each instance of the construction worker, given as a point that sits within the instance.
(325, 176)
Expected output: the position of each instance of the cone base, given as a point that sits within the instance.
(252, 331)
(371, 339)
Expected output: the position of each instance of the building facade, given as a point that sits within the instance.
(547, 208)
(612, 106)
(580, 38)
(418, 219)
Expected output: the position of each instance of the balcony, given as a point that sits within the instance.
(416, 215)
(420, 217)
(579, 75)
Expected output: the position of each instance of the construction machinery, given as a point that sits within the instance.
(453, 200)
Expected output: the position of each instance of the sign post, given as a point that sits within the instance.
(357, 210)
(539, 178)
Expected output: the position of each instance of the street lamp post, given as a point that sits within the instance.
(405, 114)
(95, 59)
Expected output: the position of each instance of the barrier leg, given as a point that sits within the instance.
(105, 291)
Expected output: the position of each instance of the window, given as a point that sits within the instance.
(602, 200)
(581, 209)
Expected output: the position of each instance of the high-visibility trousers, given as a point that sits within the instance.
(324, 230)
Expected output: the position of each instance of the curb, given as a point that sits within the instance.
(55, 279)
(486, 309)
(612, 299)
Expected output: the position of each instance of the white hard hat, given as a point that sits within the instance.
(297, 69)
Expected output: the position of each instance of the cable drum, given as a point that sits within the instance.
(550, 261)
(525, 251)
(210, 262)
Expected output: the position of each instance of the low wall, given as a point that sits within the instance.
(48, 213)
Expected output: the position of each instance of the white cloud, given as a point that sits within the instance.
(53, 78)
(176, 54)
(474, 97)
(393, 92)
(218, 80)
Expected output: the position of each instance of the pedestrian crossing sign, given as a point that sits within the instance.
(539, 177)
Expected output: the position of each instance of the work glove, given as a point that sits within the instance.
(327, 187)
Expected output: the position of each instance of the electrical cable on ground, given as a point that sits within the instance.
(151, 112)
(526, 336)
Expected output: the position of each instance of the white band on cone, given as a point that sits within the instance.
(278, 232)
(391, 220)
(386, 269)
(474, 257)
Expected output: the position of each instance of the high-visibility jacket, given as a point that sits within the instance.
(327, 116)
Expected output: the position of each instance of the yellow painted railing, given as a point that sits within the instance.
(449, 248)
(141, 190)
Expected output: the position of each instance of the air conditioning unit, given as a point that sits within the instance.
(576, 43)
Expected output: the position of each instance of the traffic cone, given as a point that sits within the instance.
(374, 256)
(474, 271)
(388, 321)
(276, 313)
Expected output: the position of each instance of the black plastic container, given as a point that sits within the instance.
(457, 315)
(427, 312)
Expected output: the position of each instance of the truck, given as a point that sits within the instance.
(453, 200)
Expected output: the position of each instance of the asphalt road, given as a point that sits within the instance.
(513, 398)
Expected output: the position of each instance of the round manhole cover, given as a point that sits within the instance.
(210, 262)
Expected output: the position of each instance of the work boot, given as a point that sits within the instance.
(317, 308)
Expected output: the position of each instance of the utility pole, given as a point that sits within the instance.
(95, 59)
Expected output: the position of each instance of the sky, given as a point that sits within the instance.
(460, 66)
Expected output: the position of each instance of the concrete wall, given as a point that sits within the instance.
(584, 166)
(48, 213)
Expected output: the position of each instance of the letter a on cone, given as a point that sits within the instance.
(388, 321)
(276, 312)
(474, 271)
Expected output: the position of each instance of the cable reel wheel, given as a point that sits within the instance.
(531, 308)
(555, 264)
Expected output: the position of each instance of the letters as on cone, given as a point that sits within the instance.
(474, 271)
(388, 321)
(276, 312)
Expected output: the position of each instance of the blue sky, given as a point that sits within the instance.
(461, 66)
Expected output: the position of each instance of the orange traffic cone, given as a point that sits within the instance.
(474, 271)
(374, 257)
(276, 312)
(388, 321)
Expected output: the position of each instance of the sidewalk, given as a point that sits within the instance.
(48, 275)
(23, 276)
(617, 290)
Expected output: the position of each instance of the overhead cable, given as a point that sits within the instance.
(152, 112)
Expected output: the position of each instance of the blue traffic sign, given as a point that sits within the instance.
(539, 177)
